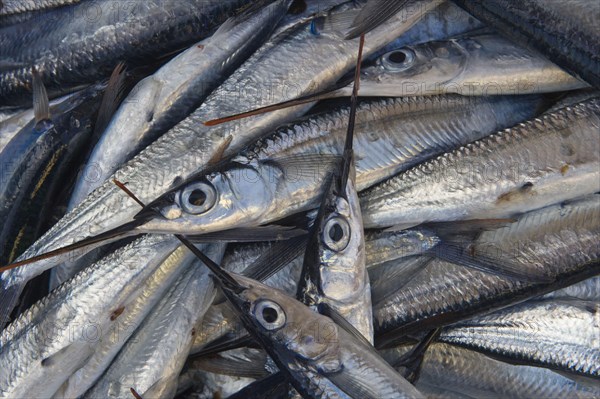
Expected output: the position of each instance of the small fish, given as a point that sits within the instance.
(556, 334)
(320, 358)
(564, 31)
(190, 147)
(152, 359)
(457, 372)
(538, 163)
(559, 242)
(82, 38)
(45, 345)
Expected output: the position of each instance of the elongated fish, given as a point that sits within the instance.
(471, 65)
(543, 161)
(187, 148)
(152, 360)
(9, 7)
(560, 242)
(163, 99)
(51, 340)
(320, 358)
(587, 290)
(36, 159)
(459, 371)
(557, 334)
(564, 31)
(77, 45)
(108, 346)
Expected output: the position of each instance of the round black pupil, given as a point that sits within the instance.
(269, 314)
(336, 233)
(397, 57)
(197, 197)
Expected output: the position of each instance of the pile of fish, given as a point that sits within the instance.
(277, 198)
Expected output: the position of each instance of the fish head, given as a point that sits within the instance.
(286, 327)
(236, 196)
(414, 70)
(340, 237)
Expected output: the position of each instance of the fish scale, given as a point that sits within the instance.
(539, 149)
(186, 149)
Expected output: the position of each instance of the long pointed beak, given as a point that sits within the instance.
(107, 237)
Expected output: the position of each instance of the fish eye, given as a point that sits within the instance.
(399, 60)
(269, 314)
(336, 234)
(198, 198)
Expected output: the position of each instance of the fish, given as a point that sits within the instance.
(565, 32)
(546, 160)
(108, 346)
(458, 371)
(527, 333)
(587, 290)
(559, 241)
(319, 358)
(10, 7)
(160, 101)
(42, 347)
(334, 276)
(151, 360)
(190, 146)
(18, 118)
(54, 52)
(470, 65)
(37, 159)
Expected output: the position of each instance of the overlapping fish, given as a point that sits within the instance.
(215, 220)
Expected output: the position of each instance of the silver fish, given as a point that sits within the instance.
(282, 174)
(108, 346)
(564, 31)
(10, 7)
(188, 147)
(465, 372)
(154, 356)
(534, 164)
(557, 334)
(47, 343)
(559, 242)
(82, 38)
(587, 290)
(320, 358)
(160, 101)
(163, 99)
(472, 66)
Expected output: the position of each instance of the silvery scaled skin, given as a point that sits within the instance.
(283, 173)
(335, 266)
(10, 7)
(543, 161)
(559, 242)
(153, 358)
(47, 343)
(189, 146)
(163, 99)
(587, 290)
(107, 347)
(318, 356)
(458, 371)
(73, 46)
(558, 334)
(564, 31)
(473, 66)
